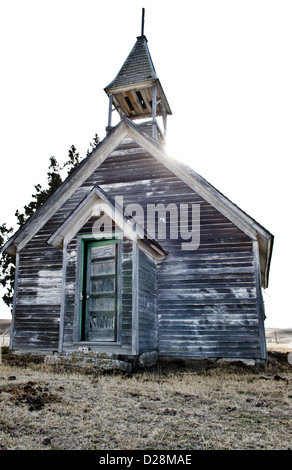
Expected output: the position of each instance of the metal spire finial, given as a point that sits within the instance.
(143, 16)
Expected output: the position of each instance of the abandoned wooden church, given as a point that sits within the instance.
(137, 253)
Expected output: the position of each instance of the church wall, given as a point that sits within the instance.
(208, 299)
(147, 304)
(39, 287)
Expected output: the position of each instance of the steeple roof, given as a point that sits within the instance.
(137, 68)
(131, 90)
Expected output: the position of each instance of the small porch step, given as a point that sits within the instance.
(100, 361)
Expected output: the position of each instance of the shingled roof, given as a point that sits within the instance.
(132, 89)
(138, 67)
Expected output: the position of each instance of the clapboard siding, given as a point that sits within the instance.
(216, 312)
(39, 290)
(70, 290)
(127, 293)
(207, 299)
(37, 308)
(147, 304)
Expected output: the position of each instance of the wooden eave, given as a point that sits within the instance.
(127, 129)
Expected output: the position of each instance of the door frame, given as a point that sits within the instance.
(82, 241)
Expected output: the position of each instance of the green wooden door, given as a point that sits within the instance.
(101, 291)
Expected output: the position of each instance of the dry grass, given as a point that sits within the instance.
(222, 407)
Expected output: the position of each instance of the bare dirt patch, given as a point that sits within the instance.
(169, 407)
(34, 395)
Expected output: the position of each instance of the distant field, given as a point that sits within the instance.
(279, 339)
(5, 332)
(4, 325)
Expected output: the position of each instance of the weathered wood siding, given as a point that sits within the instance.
(208, 305)
(208, 301)
(39, 287)
(127, 294)
(37, 312)
(70, 290)
(147, 304)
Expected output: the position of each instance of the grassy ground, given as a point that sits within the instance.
(218, 407)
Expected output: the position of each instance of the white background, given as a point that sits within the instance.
(225, 67)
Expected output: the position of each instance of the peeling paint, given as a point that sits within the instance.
(48, 288)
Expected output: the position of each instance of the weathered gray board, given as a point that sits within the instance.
(147, 303)
(208, 300)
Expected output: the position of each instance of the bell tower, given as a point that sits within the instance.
(136, 91)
